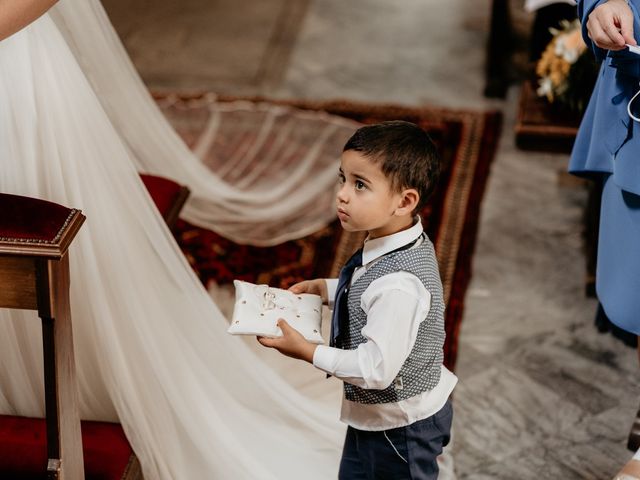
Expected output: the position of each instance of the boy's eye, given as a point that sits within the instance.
(360, 185)
(341, 178)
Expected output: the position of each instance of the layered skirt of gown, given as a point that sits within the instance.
(151, 347)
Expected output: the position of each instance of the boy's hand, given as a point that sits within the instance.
(316, 287)
(610, 25)
(291, 344)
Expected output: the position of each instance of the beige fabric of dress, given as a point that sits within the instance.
(151, 346)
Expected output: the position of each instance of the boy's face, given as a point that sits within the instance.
(365, 200)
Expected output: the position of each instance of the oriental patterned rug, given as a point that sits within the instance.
(467, 142)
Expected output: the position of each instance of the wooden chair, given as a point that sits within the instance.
(498, 50)
(34, 274)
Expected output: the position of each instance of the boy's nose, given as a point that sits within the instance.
(341, 195)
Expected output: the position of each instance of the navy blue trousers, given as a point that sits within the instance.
(399, 453)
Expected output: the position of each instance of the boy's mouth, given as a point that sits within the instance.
(342, 214)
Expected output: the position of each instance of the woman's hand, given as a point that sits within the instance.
(610, 25)
(316, 287)
(292, 343)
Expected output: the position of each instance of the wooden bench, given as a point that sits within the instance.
(34, 274)
(34, 238)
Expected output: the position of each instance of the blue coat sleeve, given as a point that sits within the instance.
(622, 59)
(585, 7)
(608, 141)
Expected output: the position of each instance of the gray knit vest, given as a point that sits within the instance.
(421, 370)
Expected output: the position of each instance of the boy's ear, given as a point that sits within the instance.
(409, 199)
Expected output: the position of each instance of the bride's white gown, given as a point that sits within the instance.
(259, 211)
(151, 346)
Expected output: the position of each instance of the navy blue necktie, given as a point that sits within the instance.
(340, 304)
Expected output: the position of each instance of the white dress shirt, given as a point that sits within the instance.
(395, 305)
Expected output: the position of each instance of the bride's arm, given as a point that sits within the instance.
(17, 14)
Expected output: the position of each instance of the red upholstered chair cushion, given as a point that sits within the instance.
(162, 190)
(168, 196)
(23, 454)
(27, 218)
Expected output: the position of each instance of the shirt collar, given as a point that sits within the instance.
(378, 247)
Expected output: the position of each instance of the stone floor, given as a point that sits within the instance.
(542, 395)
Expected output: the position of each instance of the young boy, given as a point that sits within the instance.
(388, 314)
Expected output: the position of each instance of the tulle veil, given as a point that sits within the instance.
(76, 126)
(266, 210)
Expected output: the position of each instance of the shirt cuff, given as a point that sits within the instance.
(324, 358)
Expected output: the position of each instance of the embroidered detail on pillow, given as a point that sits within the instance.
(258, 307)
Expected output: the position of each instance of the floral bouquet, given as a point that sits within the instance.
(567, 70)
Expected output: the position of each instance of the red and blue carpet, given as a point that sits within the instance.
(466, 140)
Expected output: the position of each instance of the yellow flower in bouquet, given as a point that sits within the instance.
(554, 67)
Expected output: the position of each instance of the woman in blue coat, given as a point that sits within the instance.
(608, 146)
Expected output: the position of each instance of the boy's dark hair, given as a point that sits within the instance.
(405, 153)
